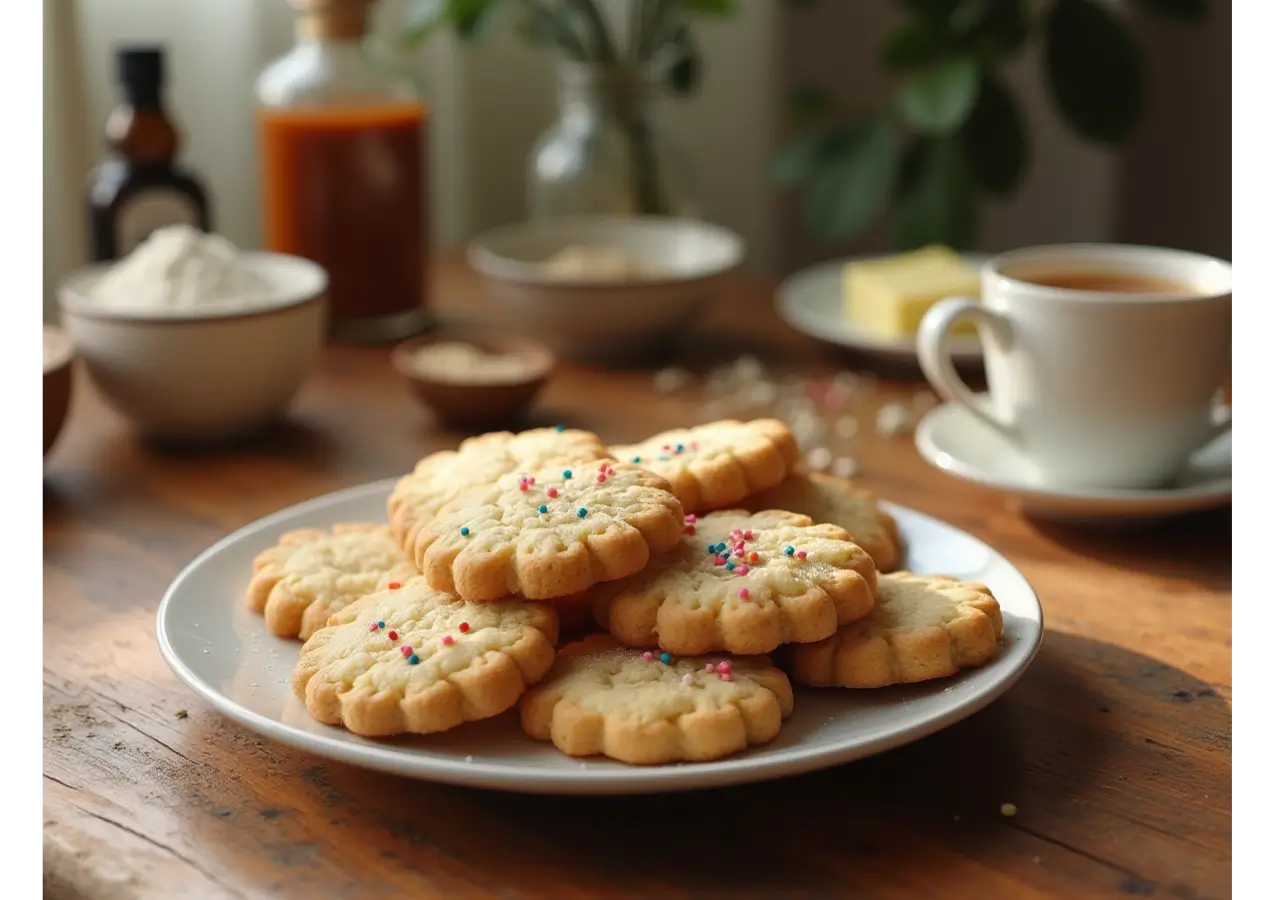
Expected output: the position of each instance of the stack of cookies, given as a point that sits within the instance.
(676, 568)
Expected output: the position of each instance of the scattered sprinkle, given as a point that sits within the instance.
(819, 458)
(730, 566)
(724, 666)
(689, 529)
(801, 554)
(680, 448)
(742, 569)
(754, 557)
(552, 492)
(708, 667)
(893, 419)
(637, 459)
(844, 467)
(522, 486)
(1009, 809)
(582, 512)
(665, 658)
(712, 548)
(464, 627)
(380, 624)
(726, 676)
(448, 640)
(413, 659)
(743, 593)
(464, 531)
(671, 379)
(688, 678)
(691, 517)
(372, 627)
(544, 508)
(602, 478)
(566, 473)
(406, 649)
(719, 561)
(789, 551)
(394, 585)
(393, 635)
(648, 656)
(663, 457)
(560, 428)
(748, 535)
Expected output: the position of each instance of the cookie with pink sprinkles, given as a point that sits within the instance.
(646, 707)
(742, 583)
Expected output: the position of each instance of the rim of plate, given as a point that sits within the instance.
(792, 309)
(932, 453)
(629, 780)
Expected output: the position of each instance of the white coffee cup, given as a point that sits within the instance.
(1109, 388)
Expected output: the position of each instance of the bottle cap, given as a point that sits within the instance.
(141, 73)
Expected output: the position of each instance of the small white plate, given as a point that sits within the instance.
(954, 440)
(225, 654)
(811, 302)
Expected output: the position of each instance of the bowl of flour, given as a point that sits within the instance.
(188, 337)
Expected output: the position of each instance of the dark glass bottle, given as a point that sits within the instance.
(141, 187)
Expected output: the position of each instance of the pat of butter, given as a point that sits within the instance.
(889, 296)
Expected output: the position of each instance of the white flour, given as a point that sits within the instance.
(180, 268)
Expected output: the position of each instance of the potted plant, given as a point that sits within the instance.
(605, 153)
(952, 132)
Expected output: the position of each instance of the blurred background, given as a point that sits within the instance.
(490, 99)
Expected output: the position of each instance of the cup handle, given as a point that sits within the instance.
(936, 361)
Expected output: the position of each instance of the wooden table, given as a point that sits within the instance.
(1115, 746)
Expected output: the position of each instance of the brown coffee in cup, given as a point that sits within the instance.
(1105, 281)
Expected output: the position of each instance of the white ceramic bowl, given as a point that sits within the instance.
(205, 374)
(605, 319)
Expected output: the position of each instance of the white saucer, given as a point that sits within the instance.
(811, 302)
(959, 443)
(224, 653)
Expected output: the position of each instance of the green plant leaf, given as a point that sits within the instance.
(994, 139)
(992, 29)
(804, 154)
(940, 206)
(850, 188)
(933, 9)
(913, 44)
(936, 99)
(1093, 70)
(809, 102)
(471, 18)
(684, 71)
(1186, 10)
(709, 7)
(421, 18)
(551, 26)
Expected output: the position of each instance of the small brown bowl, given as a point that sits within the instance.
(476, 403)
(58, 356)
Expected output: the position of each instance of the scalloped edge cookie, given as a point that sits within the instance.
(718, 464)
(923, 627)
(838, 501)
(692, 709)
(293, 604)
(416, 660)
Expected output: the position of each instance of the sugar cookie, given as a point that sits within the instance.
(550, 533)
(643, 708)
(717, 465)
(826, 498)
(414, 659)
(922, 627)
(311, 574)
(441, 477)
(742, 583)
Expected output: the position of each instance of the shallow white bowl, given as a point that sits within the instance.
(207, 374)
(605, 319)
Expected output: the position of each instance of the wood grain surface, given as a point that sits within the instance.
(1114, 747)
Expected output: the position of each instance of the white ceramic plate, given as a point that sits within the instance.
(810, 301)
(952, 439)
(224, 653)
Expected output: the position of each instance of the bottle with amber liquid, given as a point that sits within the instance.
(141, 187)
(342, 140)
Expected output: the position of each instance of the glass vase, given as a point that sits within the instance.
(606, 154)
